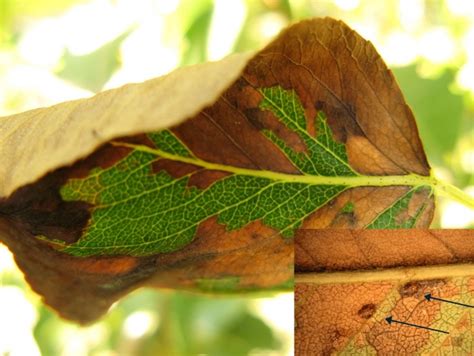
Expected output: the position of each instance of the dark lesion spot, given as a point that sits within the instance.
(410, 289)
(256, 117)
(418, 289)
(319, 105)
(367, 310)
(351, 218)
(348, 220)
(241, 83)
(255, 235)
(346, 216)
(39, 208)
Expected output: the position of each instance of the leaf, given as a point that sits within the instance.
(92, 70)
(82, 289)
(168, 184)
(195, 19)
(168, 211)
(350, 281)
(237, 331)
(432, 101)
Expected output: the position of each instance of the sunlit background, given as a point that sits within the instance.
(56, 50)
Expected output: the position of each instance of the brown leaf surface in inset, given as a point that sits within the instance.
(350, 319)
(342, 250)
(373, 274)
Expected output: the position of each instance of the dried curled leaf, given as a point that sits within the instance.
(39, 141)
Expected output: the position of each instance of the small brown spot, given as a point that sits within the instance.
(367, 311)
(346, 220)
(255, 235)
(351, 218)
(457, 341)
(319, 105)
(418, 288)
(241, 83)
(410, 289)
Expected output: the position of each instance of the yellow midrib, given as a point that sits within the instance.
(412, 180)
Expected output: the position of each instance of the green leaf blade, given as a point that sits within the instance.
(325, 156)
(388, 219)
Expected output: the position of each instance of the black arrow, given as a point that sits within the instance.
(390, 321)
(428, 297)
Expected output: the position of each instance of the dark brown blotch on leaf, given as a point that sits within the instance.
(347, 220)
(418, 289)
(255, 117)
(367, 310)
(319, 105)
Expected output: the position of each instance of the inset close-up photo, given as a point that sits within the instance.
(384, 292)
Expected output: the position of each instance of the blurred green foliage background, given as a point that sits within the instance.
(56, 50)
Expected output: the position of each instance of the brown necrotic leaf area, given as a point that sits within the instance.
(83, 289)
(349, 281)
(330, 68)
(333, 69)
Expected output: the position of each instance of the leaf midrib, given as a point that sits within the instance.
(400, 274)
(412, 179)
(179, 232)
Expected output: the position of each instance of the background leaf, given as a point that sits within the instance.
(91, 71)
(438, 110)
